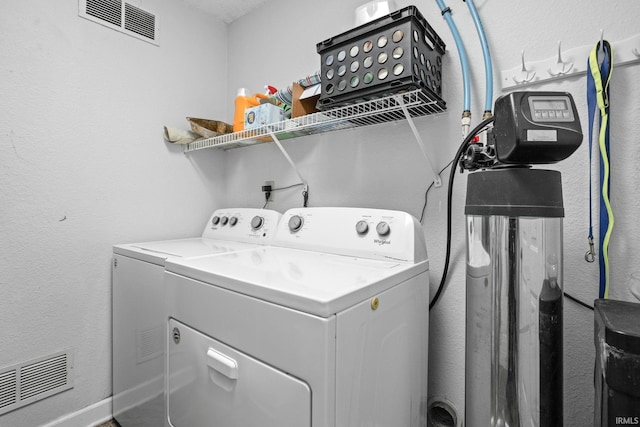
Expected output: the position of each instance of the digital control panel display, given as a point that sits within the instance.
(550, 109)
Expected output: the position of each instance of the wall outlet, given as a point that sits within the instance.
(273, 185)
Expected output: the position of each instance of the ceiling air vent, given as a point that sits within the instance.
(122, 16)
(33, 380)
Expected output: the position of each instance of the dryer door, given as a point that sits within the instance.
(211, 384)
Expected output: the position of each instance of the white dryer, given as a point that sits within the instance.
(138, 320)
(326, 327)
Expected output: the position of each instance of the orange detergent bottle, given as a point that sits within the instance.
(243, 101)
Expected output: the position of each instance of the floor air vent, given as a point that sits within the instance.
(122, 16)
(34, 380)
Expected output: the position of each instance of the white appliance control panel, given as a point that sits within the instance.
(362, 232)
(243, 225)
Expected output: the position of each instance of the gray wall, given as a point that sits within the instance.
(83, 166)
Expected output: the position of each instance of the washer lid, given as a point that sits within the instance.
(157, 252)
(313, 282)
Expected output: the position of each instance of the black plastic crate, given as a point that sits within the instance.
(392, 54)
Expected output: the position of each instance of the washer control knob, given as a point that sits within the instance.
(257, 222)
(362, 227)
(215, 220)
(224, 220)
(295, 223)
(383, 228)
(233, 220)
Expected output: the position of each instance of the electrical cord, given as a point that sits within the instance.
(426, 193)
(288, 186)
(577, 301)
(461, 150)
(268, 190)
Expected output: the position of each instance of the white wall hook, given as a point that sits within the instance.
(525, 75)
(556, 67)
(601, 47)
(562, 67)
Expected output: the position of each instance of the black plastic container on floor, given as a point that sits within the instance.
(392, 54)
(617, 341)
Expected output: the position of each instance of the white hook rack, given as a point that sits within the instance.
(565, 64)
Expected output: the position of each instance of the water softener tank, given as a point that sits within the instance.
(514, 298)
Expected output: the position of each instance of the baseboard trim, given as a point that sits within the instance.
(90, 416)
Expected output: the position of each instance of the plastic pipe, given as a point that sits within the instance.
(446, 14)
(488, 68)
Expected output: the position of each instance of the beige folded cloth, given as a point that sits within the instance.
(179, 136)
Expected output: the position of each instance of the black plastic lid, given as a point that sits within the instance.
(515, 192)
(621, 320)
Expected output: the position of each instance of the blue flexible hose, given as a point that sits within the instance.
(464, 62)
(488, 103)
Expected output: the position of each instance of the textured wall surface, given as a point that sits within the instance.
(83, 166)
(382, 166)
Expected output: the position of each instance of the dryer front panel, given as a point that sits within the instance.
(211, 384)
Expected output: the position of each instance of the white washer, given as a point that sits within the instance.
(327, 327)
(138, 320)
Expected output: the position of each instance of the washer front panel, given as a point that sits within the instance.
(297, 343)
(209, 382)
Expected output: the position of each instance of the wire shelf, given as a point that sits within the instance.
(387, 109)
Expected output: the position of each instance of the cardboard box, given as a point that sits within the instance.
(263, 114)
(304, 100)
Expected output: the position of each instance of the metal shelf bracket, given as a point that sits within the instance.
(436, 177)
(286, 156)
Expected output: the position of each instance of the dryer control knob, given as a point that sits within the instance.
(295, 223)
(257, 222)
(233, 220)
(383, 228)
(224, 220)
(362, 227)
(215, 220)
